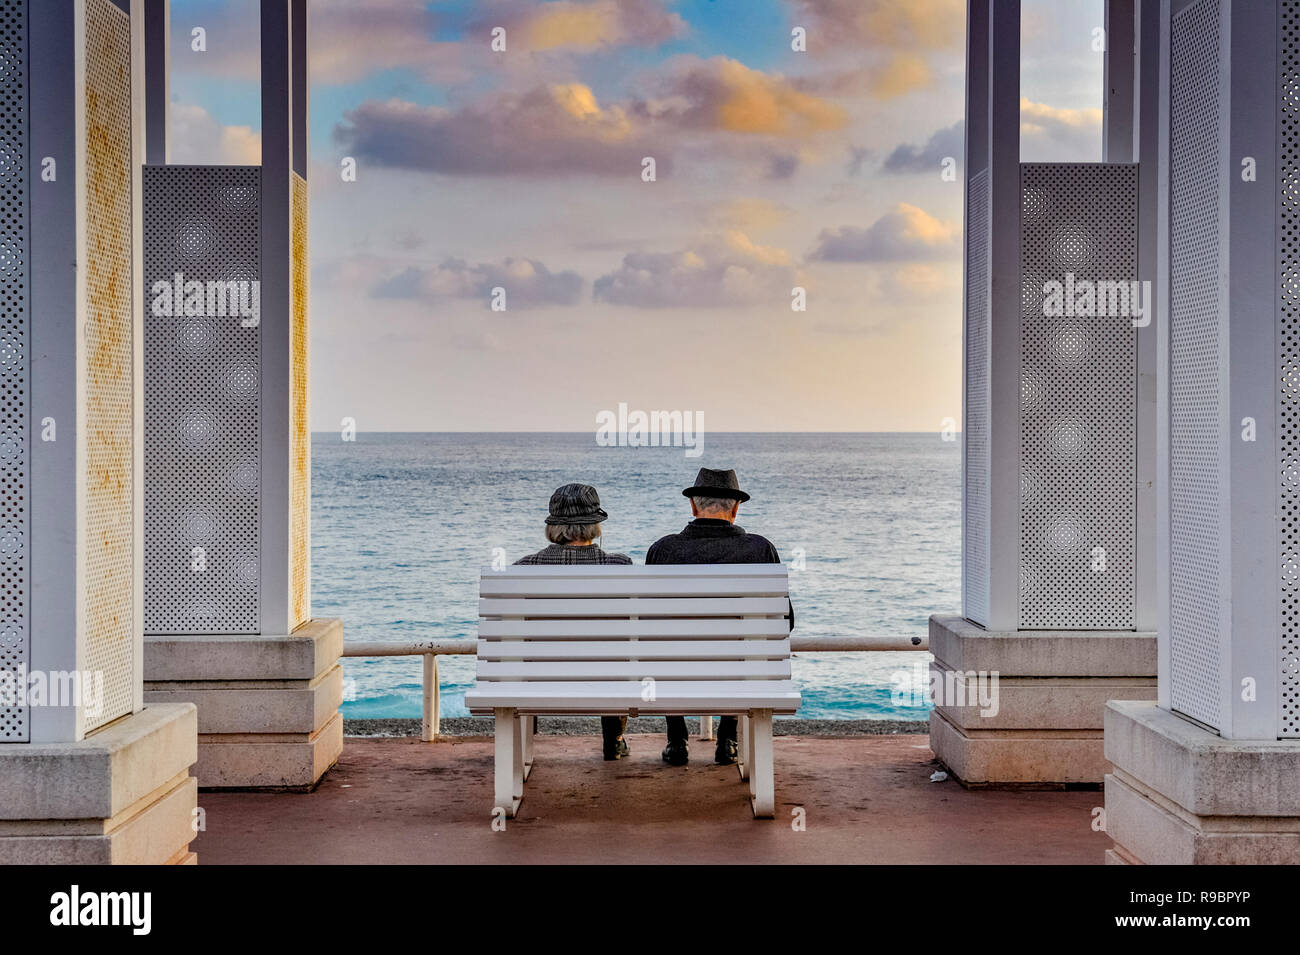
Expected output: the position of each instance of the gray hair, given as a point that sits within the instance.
(709, 505)
(570, 533)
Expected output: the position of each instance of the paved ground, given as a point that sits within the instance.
(590, 726)
(866, 799)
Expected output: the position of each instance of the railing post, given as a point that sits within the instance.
(706, 727)
(429, 730)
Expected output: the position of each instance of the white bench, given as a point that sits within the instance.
(616, 640)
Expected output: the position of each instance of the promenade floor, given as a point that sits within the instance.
(865, 799)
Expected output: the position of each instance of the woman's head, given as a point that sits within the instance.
(572, 533)
(575, 515)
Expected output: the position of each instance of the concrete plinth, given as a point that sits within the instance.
(268, 706)
(1052, 690)
(123, 795)
(1181, 795)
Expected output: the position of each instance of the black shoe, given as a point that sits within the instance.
(726, 752)
(617, 749)
(675, 753)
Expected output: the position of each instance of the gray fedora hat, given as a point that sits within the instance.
(711, 483)
(576, 504)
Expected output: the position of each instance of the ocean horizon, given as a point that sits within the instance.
(403, 523)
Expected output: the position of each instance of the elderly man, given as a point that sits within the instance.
(713, 537)
(572, 527)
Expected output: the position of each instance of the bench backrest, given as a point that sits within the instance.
(603, 623)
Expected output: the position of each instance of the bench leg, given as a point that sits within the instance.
(509, 781)
(760, 773)
(706, 727)
(744, 740)
(526, 724)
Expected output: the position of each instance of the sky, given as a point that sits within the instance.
(523, 169)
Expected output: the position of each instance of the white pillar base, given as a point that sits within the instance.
(268, 706)
(123, 795)
(1181, 795)
(1052, 691)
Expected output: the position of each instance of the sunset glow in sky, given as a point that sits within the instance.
(523, 169)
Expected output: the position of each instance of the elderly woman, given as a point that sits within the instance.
(572, 527)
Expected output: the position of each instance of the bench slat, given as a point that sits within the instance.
(609, 628)
(542, 671)
(624, 587)
(605, 571)
(646, 607)
(686, 697)
(640, 650)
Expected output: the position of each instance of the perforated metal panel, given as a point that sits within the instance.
(15, 423)
(1288, 337)
(202, 404)
(299, 431)
(975, 429)
(1197, 340)
(108, 543)
(1078, 401)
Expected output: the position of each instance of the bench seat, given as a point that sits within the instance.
(687, 697)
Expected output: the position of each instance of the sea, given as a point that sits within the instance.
(403, 524)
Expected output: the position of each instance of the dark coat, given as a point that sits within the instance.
(708, 540)
(568, 554)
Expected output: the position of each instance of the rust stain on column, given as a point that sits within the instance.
(109, 419)
(299, 434)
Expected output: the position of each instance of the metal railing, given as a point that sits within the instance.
(430, 650)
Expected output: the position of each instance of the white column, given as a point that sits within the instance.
(228, 457)
(1119, 81)
(155, 24)
(991, 326)
(286, 449)
(1146, 128)
(1206, 775)
(1229, 372)
(1058, 547)
(84, 532)
(229, 454)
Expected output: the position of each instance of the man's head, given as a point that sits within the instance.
(715, 508)
(716, 495)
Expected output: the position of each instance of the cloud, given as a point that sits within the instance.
(918, 283)
(724, 94)
(932, 25)
(528, 283)
(883, 48)
(888, 76)
(752, 214)
(197, 137)
(858, 156)
(905, 233)
(719, 270)
(583, 25)
(347, 39)
(350, 40)
(944, 143)
(1047, 133)
(1050, 133)
(782, 165)
(562, 129)
(554, 130)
